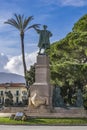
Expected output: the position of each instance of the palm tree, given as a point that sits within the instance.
(21, 23)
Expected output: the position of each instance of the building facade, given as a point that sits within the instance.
(18, 90)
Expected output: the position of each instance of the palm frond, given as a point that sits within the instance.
(27, 21)
(17, 19)
(21, 23)
(12, 22)
(35, 26)
(20, 17)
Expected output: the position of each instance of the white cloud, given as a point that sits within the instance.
(76, 3)
(15, 63)
(3, 61)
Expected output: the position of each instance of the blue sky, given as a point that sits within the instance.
(58, 15)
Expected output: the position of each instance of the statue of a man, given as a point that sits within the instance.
(44, 41)
(79, 101)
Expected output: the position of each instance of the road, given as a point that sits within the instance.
(16, 127)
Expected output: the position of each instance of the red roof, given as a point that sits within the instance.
(12, 85)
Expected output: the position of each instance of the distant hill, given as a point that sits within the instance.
(10, 77)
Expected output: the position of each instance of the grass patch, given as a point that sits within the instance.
(45, 121)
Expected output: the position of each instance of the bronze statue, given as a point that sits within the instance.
(44, 41)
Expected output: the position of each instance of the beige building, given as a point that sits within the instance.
(18, 90)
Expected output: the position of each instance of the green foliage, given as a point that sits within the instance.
(81, 25)
(9, 99)
(68, 60)
(30, 76)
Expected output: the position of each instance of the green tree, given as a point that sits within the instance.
(9, 98)
(68, 60)
(30, 76)
(22, 24)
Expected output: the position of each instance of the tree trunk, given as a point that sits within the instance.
(23, 53)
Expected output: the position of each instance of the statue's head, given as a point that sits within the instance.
(44, 26)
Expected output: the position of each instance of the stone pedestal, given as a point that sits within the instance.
(40, 92)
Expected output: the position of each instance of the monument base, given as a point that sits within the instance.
(70, 111)
(40, 92)
(62, 113)
(40, 100)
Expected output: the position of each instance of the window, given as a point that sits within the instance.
(17, 99)
(17, 92)
(0, 100)
(1, 93)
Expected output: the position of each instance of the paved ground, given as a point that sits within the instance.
(7, 127)
(5, 114)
